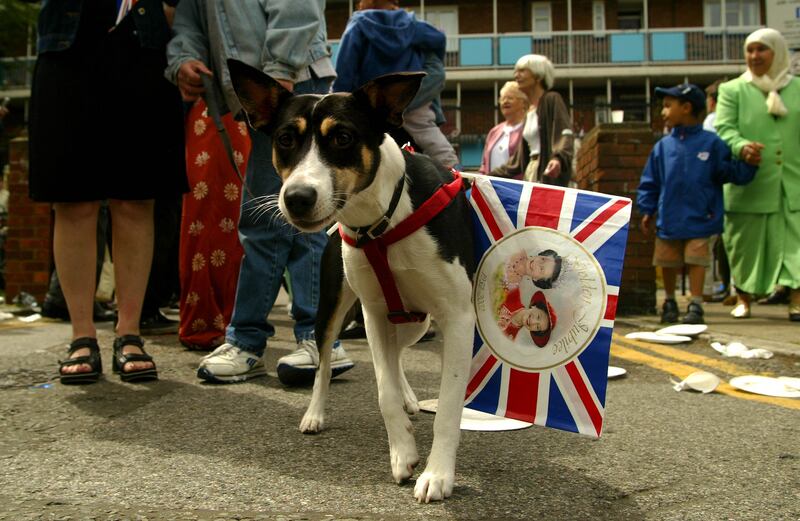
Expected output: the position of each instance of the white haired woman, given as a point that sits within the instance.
(503, 139)
(758, 116)
(546, 156)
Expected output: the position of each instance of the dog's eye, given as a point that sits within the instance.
(285, 140)
(342, 139)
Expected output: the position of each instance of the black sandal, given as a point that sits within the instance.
(92, 360)
(121, 359)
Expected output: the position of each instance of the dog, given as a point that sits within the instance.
(339, 164)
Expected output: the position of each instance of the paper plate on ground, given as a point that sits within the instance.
(765, 385)
(683, 329)
(472, 420)
(615, 372)
(649, 336)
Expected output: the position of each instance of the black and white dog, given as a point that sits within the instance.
(338, 163)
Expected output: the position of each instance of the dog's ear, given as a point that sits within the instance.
(259, 94)
(390, 94)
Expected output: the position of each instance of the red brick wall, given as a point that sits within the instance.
(28, 246)
(610, 160)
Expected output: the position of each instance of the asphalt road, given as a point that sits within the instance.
(179, 449)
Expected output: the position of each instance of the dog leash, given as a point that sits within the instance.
(376, 248)
(213, 110)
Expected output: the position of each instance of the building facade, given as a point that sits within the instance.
(609, 54)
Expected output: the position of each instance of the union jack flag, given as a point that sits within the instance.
(570, 396)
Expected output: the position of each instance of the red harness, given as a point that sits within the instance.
(376, 248)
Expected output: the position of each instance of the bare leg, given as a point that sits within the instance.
(74, 249)
(132, 232)
(670, 280)
(697, 276)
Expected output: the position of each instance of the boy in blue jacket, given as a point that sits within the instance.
(682, 184)
(381, 38)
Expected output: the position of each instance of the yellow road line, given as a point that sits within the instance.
(682, 371)
(16, 324)
(681, 354)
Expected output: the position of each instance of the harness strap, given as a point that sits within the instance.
(376, 248)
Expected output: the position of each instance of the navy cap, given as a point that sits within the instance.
(685, 92)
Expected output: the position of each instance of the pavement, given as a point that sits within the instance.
(182, 449)
(768, 327)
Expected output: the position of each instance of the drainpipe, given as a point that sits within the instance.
(608, 99)
(724, 21)
(569, 31)
(647, 98)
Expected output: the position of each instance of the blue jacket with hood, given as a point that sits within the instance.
(683, 182)
(381, 41)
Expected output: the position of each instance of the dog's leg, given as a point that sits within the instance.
(336, 299)
(410, 403)
(383, 343)
(436, 482)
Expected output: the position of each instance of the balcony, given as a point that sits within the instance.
(679, 46)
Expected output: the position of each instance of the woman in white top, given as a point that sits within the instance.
(503, 139)
(546, 156)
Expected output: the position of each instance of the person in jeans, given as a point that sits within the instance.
(287, 40)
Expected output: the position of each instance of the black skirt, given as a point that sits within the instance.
(104, 122)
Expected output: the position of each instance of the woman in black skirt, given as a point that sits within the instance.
(105, 125)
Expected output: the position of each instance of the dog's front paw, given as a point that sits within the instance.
(432, 486)
(403, 464)
(312, 423)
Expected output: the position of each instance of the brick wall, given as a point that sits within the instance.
(28, 246)
(610, 160)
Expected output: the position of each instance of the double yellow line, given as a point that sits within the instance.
(676, 362)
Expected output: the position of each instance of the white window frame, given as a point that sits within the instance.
(452, 37)
(742, 5)
(540, 5)
(599, 15)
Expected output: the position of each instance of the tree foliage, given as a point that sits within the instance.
(15, 19)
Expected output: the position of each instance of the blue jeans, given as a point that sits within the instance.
(270, 246)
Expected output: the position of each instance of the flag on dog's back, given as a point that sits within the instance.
(545, 297)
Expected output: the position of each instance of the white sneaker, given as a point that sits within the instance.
(299, 367)
(229, 363)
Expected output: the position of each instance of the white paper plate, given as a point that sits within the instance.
(656, 338)
(683, 329)
(765, 385)
(472, 420)
(616, 372)
(794, 383)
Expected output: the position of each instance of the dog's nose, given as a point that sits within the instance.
(300, 199)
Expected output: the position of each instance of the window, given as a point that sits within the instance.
(738, 13)
(542, 19)
(599, 15)
(445, 18)
(629, 19)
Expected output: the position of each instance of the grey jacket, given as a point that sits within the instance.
(284, 38)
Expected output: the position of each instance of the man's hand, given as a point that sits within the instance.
(286, 84)
(646, 225)
(553, 168)
(189, 81)
(751, 153)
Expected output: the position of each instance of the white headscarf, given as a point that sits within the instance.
(777, 77)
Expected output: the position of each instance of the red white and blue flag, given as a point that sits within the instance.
(562, 384)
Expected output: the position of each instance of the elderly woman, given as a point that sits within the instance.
(546, 156)
(758, 115)
(503, 140)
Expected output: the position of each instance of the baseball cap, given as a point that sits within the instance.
(685, 92)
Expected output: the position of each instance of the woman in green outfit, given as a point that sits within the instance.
(758, 115)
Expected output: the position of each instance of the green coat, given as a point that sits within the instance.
(742, 117)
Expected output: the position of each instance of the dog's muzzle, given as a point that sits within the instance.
(300, 201)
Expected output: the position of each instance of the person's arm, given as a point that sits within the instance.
(561, 140)
(727, 124)
(291, 27)
(648, 191)
(515, 166)
(432, 84)
(728, 169)
(187, 51)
